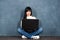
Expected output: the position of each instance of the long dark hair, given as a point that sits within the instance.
(27, 9)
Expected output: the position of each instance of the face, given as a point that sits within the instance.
(28, 13)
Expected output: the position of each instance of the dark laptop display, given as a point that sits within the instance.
(30, 25)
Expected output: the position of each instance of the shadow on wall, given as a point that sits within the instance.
(21, 17)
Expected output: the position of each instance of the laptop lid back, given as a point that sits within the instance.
(30, 25)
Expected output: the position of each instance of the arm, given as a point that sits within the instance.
(21, 24)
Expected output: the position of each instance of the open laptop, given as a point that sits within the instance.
(30, 25)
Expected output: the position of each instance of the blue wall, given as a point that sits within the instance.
(48, 11)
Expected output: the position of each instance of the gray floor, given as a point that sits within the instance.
(19, 38)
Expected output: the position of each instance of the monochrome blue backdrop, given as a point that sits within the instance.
(47, 11)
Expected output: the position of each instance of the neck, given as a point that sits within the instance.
(28, 15)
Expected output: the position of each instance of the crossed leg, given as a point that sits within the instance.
(29, 35)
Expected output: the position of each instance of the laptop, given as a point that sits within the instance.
(30, 25)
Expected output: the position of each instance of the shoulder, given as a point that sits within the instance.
(34, 17)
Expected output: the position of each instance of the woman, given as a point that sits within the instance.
(28, 15)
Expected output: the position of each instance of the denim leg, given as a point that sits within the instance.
(37, 32)
(21, 31)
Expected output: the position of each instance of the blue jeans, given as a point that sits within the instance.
(29, 35)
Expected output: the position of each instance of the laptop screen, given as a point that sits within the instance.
(30, 25)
